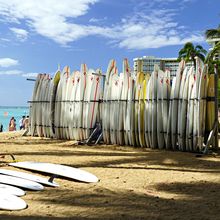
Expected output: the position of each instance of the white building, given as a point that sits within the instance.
(213, 42)
(146, 64)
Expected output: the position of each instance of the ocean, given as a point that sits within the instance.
(7, 112)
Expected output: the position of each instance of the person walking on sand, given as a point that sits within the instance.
(12, 124)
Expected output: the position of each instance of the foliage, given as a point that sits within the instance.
(213, 33)
(189, 52)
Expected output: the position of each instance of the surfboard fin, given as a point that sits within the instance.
(52, 178)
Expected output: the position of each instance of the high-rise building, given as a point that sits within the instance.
(146, 64)
(213, 41)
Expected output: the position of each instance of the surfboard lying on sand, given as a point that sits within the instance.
(15, 181)
(59, 170)
(11, 202)
(28, 176)
(11, 190)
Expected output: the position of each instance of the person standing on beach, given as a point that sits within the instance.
(21, 123)
(12, 124)
(26, 123)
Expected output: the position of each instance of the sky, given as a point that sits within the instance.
(37, 36)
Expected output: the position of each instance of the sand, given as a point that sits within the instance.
(134, 183)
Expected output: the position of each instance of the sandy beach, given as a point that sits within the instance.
(134, 183)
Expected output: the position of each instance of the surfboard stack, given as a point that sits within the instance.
(143, 110)
(65, 107)
(13, 182)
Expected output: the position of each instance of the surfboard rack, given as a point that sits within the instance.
(95, 137)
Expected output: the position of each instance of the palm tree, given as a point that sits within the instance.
(210, 58)
(213, 33)
(189, 52)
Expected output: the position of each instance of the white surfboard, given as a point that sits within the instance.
(160, 134)
(130, 113)
(15, 181)
(28, 176)
(11, 190)
(106, 103)
(57, 169)
(11, 202)
(154, 107)
(174, 110)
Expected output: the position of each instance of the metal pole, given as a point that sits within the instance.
(216, 107)
(28, 79)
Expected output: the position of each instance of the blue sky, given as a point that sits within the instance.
(36, 36)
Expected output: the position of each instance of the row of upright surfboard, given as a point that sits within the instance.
(13, 182)
(65, 107)
(147, 110)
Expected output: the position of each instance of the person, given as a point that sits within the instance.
(1, 127)
(21, 123)
(26, 122)
(12, 124)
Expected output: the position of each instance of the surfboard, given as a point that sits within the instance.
(166, 89)
(198, 74)
(11, 202)
(210, 111)
(115, 89)
(144, 112)
(138, 88)
(11, 190)
(130, 130)
(168, 133)
(38, 113)
(19, 182)
(181, 105)
(58, 104)
(147, 113)
(160, 134)
(154, 107)
(28, 176)
(81, 86)
(57, 169)
(189, 114)
(33, 106)
(54, 85)
(122, 134)
(182, 125)
(106, 103)
(141, 111)
(174, 110)
(202, 95)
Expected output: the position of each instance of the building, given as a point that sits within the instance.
(146, 64)
(212, 42)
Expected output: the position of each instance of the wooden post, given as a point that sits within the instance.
(216, 107)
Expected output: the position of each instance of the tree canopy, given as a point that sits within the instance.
(189, 52)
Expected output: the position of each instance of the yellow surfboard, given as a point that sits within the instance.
(210, 108)
(138, 87)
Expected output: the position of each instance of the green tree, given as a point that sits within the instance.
(211, 58)
(213, 33)
(189, 52)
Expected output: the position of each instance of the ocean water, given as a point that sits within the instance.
(7, 112)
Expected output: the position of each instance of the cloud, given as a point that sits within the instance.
(151, 24)
(7, 62)
(11, 72)
(21, 34)
(27, 75)
(19, 73)
(150, 31)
